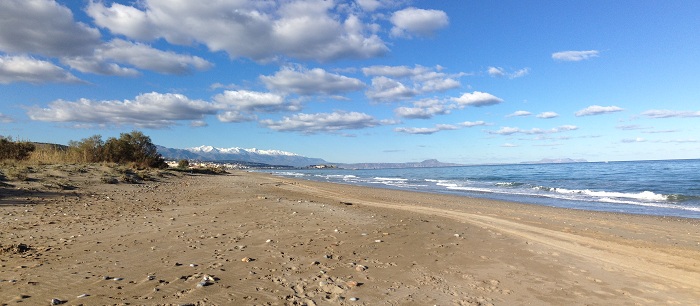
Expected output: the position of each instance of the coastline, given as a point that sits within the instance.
(315, 243)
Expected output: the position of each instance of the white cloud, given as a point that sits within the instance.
(664, 113)
(424, 109)
(396, 71)
(547, 115)
(253, 101)
(508, 145)
(500, 72)
(535, 131)
(260, 30)
(638, 139)
(414, 21)
(43, 27)
(519, 113)
(150, 110)
(311, 82)
(597, 110)
(390, 82)
(426, 131)
(388, 90)
(105, 58)
(322, 122)
(574, 56)
(27, 69)
(198, 123)
(472, 123)
(234, 116)
(477, 99)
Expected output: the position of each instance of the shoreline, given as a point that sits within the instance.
(669, 209)
(313, 243)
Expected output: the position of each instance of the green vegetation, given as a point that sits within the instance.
(135, 149)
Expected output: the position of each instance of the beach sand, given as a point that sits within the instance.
(255, 239)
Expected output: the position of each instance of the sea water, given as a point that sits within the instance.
(661, 188)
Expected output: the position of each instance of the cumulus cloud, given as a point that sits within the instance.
(27, 69)
(387, 90)
(478, 99)
(393, 83)
(253, 101)
(520, 113)
(150, 110)
(106, 59)
(574, 56)
(547, 115)
(322, 122)
(500, 72)
(597, 110)
(664, 113)
(260, 30)
(424, 109)
(311, 82)
(414, 21)
(535, 131)
(234, 116)
(43, 27)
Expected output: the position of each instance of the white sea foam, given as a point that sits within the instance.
(643, 196)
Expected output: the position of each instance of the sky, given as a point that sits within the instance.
(465, 82)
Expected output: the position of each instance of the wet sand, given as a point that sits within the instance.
(255, 239)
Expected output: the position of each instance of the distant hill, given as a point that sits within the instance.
(269, 157)
(424, 164)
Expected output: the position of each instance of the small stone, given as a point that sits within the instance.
(57, 302)
(360, 268)
(352, 284)
(378, 240)
(353, 299)
(457, 235)
(83, 295)
(246, 259)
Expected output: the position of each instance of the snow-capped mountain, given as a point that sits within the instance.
(270, 157)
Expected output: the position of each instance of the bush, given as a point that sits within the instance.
(17, 150)
(183, 164)
(134, 147)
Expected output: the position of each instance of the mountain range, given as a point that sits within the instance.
(270, 157)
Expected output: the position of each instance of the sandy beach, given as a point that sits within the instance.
(255, 239)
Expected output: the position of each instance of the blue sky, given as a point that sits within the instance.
(360, 81)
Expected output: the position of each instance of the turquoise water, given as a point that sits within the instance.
(661, 188)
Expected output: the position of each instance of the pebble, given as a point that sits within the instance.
(83, 295)
(56, 302)
(353, 299)
(246, 259)
(360, 268)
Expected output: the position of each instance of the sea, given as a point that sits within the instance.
(659, 187)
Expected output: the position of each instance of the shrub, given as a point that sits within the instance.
(17, 150)
(183, 164)
(134, 147)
